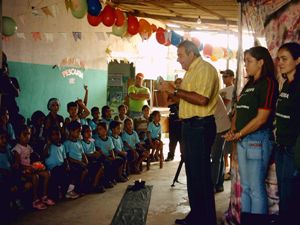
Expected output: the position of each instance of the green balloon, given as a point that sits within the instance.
(79, 10)
(9, 26)
(119, 31)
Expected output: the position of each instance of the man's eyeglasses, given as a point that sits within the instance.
(225, 76)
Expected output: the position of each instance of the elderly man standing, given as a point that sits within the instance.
(198, 96)
(138, 96)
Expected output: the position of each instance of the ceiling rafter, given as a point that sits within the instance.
(197, 5)
(156, 4)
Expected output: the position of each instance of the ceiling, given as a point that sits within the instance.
(214, 14)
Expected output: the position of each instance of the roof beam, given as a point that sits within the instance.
(197, 5)
(182, 19)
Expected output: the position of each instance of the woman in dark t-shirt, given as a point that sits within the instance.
(252, 129)
(288, 130)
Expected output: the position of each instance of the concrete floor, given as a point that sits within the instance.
(167, 203)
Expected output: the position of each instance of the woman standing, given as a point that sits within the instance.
(287, 127)
(252, 129)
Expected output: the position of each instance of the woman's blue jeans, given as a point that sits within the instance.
(286, 173)
(254, 152)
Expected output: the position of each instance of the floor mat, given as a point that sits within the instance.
(133, 208)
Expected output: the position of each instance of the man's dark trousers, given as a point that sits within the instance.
(198, 136)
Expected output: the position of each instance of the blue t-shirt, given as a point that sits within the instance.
(155, 130)
(5, 159)
(74, 149)
(92, 124)
(57, 156)
(106, 145)
(118, 143)
(10, 131)
(88, 148)
(131, 139)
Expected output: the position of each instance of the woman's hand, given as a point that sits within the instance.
(232, 136)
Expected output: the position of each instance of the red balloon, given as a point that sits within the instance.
(94, 20)
(133, 25)
(160, 36)
(153, 27)
(108, 16)
(207, 50)
(120, 17)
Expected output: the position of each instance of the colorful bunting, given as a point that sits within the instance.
(49, 37)
(21, 35)
(36, 36)
(47, 11)
(76, 36)
(102, 36)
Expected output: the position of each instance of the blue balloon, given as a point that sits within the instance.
(175, 38)
(94, 7)
(201, 46)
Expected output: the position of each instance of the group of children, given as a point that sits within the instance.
(53, 158)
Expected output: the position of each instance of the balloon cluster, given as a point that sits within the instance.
(128, 25)
(9, 26)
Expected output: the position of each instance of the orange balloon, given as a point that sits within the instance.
(145, 29)
(120, 17)
(213, 58)
(154, 28)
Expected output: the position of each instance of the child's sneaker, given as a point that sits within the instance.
(38, 204)
(48, 201)
(71, 195)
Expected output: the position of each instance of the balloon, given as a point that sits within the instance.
(94, 20)
(108, 14)
(120, 17)
(133, 25)
(207, 50)
(168, 42)
(153, 27)
(196, 42)
(160, 35)
(201, 46)
(175, 38)
(9, 26)
(78, 8)
(225, 52)
(213, 58)
(119, 31)
(94, 7)
(218, 52)
(144, 29)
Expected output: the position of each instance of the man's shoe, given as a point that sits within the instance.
(181, 222)
(168, 159)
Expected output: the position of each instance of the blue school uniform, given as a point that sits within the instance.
(118, 143)
(88, 148)
(57, 156)
(155, 130)
(92, 124)
(106, 145)
(131, 139)
(74, 149)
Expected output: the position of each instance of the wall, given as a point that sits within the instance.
(39, 83)
(31, 57)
